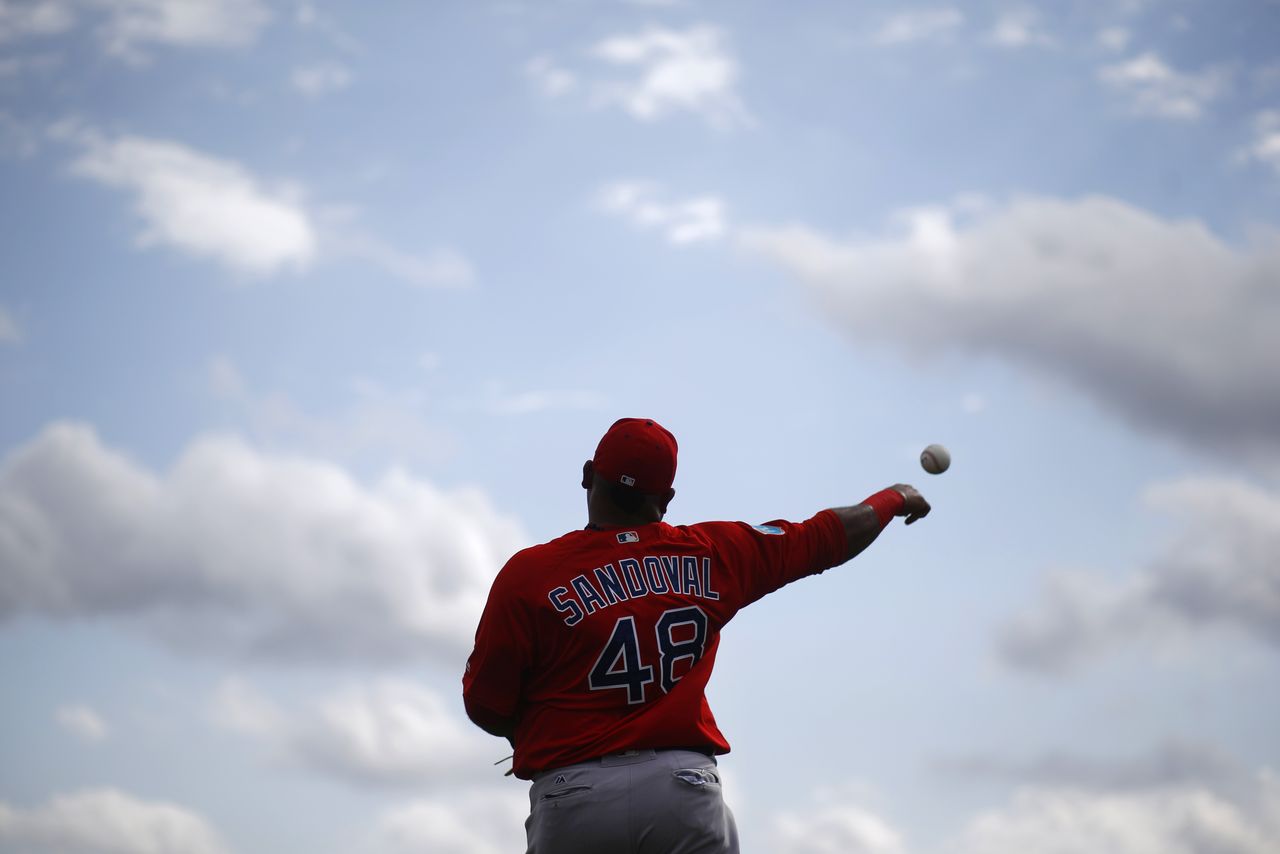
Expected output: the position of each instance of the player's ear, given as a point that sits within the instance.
(665, 499)
(588, 472)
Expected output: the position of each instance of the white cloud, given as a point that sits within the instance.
(18, 137)
(127, 27)
(239, 552)
(1159, 320)
(309, 18)
(1020, 28)
(1265, 148)
(1172, 820)
(667, 72)
(22, 137)
(105, 821)
(325, 78)
(200, 204)
(344, 236)
(497, 400)
(441, 267)
(834, 828)
(686, 221)
(9, 331)
(920, 25)
(1264, 78)
(551, 79)
(82, 721)
(131, 25)
(225, 380)
(1114, 38)
(973, 403)
(1222, 570)
(476, 823)
(688, 70)
(1077, 617)
(1173, 763)
(214, 208)
(20, 20)
(389, 732)
(376, 428)
(1160, 818)
(239, 707)
(1155, 89)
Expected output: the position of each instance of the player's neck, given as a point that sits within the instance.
(603, 513)
(608, 518)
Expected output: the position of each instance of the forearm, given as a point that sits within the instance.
(864, 522)
(861, 527)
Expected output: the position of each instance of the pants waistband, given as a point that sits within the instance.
(626, 757)
(650, 753)
(631, 757)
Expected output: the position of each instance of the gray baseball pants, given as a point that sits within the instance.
(637, 802)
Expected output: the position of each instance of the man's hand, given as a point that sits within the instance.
(914, 506)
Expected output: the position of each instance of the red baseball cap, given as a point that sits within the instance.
(637, 452)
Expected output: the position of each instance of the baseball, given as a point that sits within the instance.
(935, 459)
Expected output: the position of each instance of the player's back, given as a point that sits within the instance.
(604, 639)
(626, 623)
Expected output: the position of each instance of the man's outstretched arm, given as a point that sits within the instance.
(864, 522)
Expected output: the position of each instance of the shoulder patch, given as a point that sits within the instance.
(628, 537)
(768, 529)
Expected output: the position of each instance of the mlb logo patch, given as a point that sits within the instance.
(628, 480)
(628, 537)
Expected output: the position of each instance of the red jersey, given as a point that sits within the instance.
(603, 640)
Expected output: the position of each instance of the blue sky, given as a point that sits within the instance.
(310, 313)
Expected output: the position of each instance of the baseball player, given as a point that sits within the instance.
(594, 650)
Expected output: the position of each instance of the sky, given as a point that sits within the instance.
(311, 312)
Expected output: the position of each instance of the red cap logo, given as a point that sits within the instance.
(637, 452)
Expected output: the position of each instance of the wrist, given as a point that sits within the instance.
(886, 503)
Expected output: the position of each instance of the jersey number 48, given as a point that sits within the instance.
(619, 664)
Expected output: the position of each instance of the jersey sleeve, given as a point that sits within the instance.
(503, 653)
(762, 558)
